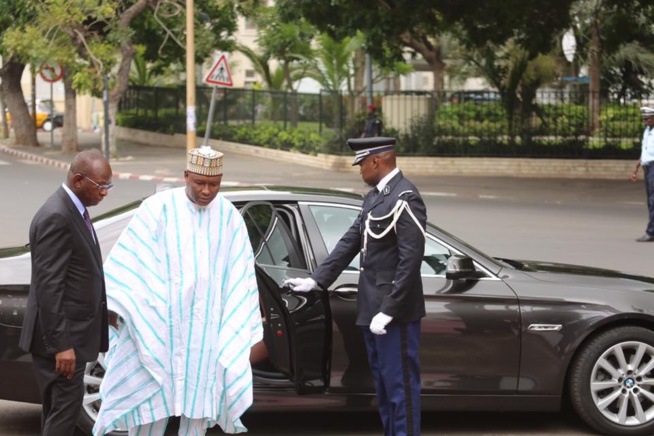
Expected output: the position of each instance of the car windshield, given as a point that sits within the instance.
(433, 229)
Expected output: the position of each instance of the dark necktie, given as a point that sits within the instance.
(87, 220)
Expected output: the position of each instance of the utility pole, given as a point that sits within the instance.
(190, 76)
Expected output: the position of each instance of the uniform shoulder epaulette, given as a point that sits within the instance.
(405, 192)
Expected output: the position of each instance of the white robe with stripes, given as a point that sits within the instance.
(182, 278)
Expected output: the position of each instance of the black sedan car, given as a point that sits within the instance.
(499, 334)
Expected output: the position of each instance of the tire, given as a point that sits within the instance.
(47, 125)
(93, 375)
(611, 383)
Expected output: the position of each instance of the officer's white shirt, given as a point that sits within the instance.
(647, 151)
(383, 182)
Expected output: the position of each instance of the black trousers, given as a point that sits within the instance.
(62, 398)
(649, 188)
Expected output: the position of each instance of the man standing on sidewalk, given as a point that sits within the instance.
(647, 162)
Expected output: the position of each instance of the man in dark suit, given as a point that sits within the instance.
(389, 237)
(65, 323)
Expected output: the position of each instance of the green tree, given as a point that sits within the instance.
(105, 34)
(391, 26)
(331, 62)
(273, 80)
(516, 75)
(288, 42)
(15, 14)
(613, 39)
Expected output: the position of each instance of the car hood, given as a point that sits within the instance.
(13, 251)
(583, 276)
(15, 266)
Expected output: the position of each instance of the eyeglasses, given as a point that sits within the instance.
(106, 186)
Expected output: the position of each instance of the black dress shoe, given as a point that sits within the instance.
(645, 238)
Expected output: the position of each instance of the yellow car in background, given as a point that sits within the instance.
(43, 118)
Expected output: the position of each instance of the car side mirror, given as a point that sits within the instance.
(459, 267)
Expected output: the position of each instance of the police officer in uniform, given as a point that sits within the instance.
(389, 237)
(373, 125)
(647, 162)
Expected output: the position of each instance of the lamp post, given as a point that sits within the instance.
(190, 76)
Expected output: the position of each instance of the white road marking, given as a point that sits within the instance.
(440, 194)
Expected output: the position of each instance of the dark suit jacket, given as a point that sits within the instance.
(67, 303)
(389, 279)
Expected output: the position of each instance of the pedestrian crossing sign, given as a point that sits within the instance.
(219, 74)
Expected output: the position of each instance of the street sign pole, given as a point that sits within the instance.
(219, 75)
(51, 116)
(51, 73)
(105, 101)
(212, 105)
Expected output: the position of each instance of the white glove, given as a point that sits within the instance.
(378, 323)
(301, 285)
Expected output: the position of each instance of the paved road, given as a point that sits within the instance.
(23, 419)
(590, 222)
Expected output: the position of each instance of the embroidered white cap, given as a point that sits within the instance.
(205, 161)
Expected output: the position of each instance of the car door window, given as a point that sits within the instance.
(334, 221)
(274, 248)
(434, 261)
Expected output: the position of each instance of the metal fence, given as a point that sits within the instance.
(453, 123)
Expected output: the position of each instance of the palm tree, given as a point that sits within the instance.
(331, 62)
(273, 80)
(141, 73)
(515, 74)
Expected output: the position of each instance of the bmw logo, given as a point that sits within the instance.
(629, 383)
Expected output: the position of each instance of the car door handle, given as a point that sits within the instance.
(346, 291)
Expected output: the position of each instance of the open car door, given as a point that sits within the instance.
(297, 326)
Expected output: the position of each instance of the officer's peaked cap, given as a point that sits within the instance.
(646, 112)
(364, 147)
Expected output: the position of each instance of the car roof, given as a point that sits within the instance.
(285, 193)
(271, 193)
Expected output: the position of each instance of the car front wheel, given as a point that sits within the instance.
(612, 382)
(93, 375)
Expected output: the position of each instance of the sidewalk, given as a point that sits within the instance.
(134, 162)
(166, 164)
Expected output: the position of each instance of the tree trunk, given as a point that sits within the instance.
(432, 54)
(21, 121)
(5, 125)
(359, 77)
(127, 52)
(32, 107)
(293, 95)
(594, 87)
(113, 146)
(438, 70)
(69, 134)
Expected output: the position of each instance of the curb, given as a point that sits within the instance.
(118, 175)
(159, 179)
(64, 166)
